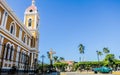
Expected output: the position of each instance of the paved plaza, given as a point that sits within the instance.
(75, 73)
(66, 73)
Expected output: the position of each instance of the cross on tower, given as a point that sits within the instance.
(33, 2)
(51, 52)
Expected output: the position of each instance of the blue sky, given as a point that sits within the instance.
(64, 24)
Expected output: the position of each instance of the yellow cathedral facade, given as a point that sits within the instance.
(19, 41)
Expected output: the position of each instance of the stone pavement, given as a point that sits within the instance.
(14, 74)
(85, 73)
(28, 74)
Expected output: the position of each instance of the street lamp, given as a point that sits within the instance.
(42, 62)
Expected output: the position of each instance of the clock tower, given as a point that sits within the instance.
(31, 21)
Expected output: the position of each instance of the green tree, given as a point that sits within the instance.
(99, 53)
(61, 59)
(106, 50)
(60, 66)
(81, 49)
(55, 59)
(110, 58)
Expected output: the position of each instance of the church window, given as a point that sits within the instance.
(31, 10)
(7, 50)
(28, 41)
(24, 40)
(12, 28)
(19, 57)
(37, 26)
(11, 50)
(29, 22)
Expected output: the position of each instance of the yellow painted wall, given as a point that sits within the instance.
(8, 22)
(12, 39)
(17, 30)
(2, 12)
(23, 33)
(27, 40)
(27, 18)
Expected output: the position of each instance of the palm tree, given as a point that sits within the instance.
(55, 58)
(106, 50)
(61, 59)
(81, 49)
(99, 53)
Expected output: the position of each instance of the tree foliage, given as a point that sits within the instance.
(61, 59)
(99, 53)
(106, 50)
(55, 58)
(81, 49)
(60, 66)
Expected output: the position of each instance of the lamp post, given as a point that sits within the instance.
(42, 62)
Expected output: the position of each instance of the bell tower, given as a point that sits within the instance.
(31, 20)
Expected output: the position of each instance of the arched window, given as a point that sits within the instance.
(24, 39)
(7, 50)
(11, 53)
(29, 22)
(12, 28)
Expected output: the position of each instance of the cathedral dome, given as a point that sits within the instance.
(32, 8)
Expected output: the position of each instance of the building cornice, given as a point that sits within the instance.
(21, 44)
(15, 17)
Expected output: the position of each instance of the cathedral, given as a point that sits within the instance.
(19, 41)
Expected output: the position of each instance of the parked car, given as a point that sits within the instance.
(102, 69)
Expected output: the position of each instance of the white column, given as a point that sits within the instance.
(32, 59)
(29, 42)
(26, 39)
(0, 15)
(17, 54)
(20, 34)
(35, 22)
(4, 19)
(13, 53)
(1, 44)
